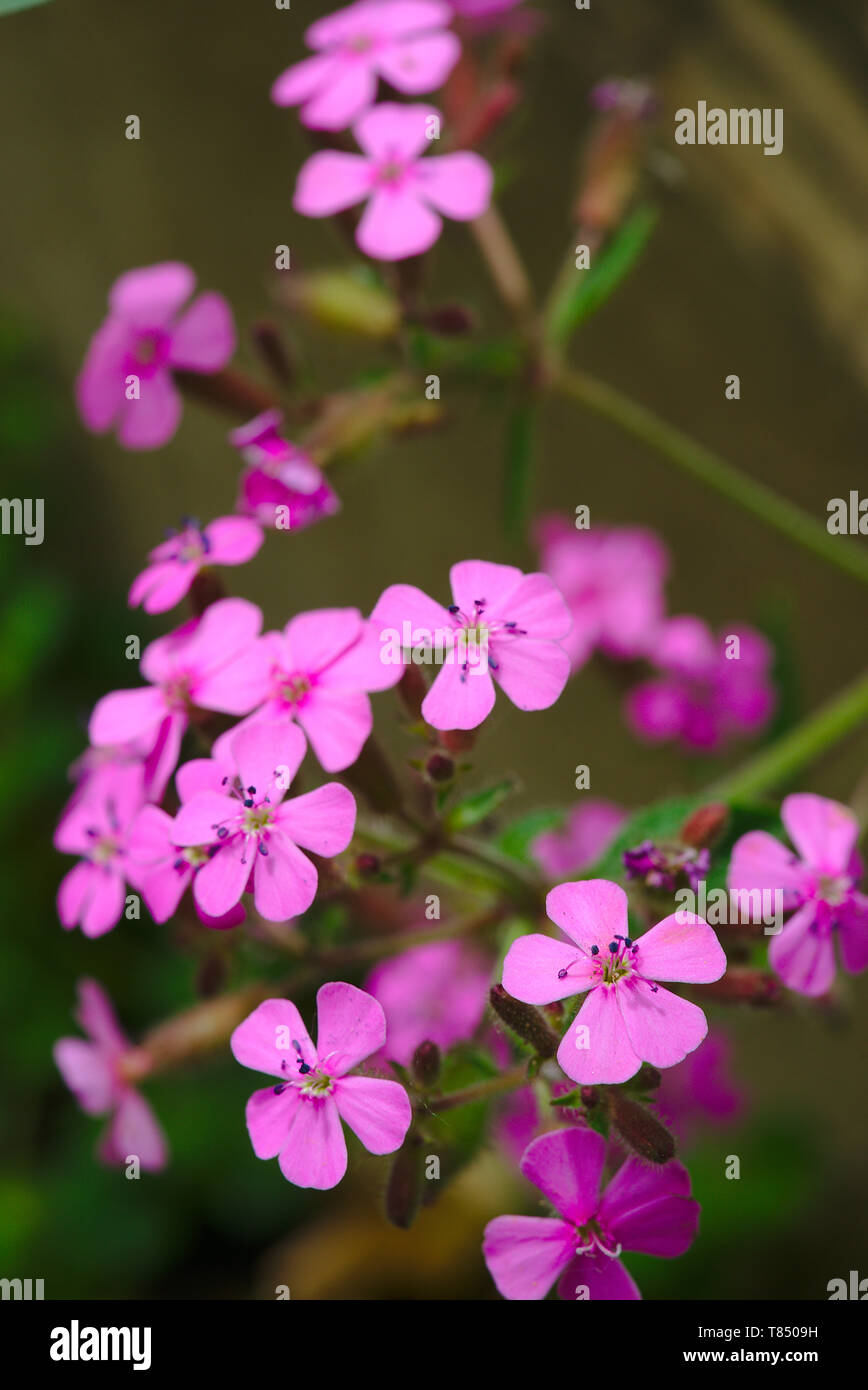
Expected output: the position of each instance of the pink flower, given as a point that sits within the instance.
(299, 1120)
(646, 1209)
(502, 624)
(321, 667)
(97, 1072)
(705, 697)
(213, 662)
(148, 756)
(95, 825)
(165, 869)
(126, 379)
(436, 993)
(626, 1019)
(818, 883)
(612, 579)
(406, 193)
(257, 833)
(700, 1089)
(591, 827)
(230, 540)
(402, 41)
(280, 487)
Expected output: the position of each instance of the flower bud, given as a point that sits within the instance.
(367, 865)
(412, 690)
(449, 320)
(440, 768)
(640, 1130)
(458, 740)
(404, 1188)
(343, 302)
(704, 826)
(426, 1064)
(743, 984)
(647, 1078)
(525, 1021)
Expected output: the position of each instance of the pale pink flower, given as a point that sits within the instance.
(280, 483)
(704, 698)
(174, 564)
(95, 825)
(405, 192)
(612, 580)
(94, 1072)
(298, 1121)
(503, 626)
(402, 41)
(627, 1018)
(591, 827)
(436, 992)
(645, 1209)
(257, 833)
(818, 884)
(145, 337)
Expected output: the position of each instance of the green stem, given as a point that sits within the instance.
(715, 472)
(800, 746)
(482, 1090)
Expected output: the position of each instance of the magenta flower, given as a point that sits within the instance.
(699, 1089)
(612, 579)
(165, 869)
(503, 625)
(213, 662)
(627, 1018)
(96, 825)
(298, 1121)
(590, 828)
(405, 193)
(126, 379)
(99, 1071)
(280, 487)
(230, 540)
(818, 884)
(321, 667)
(435, 992)
(704, 697)
(402, 41)
(645, 1209)
(257, 834)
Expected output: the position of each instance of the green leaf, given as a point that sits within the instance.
(662, 821)
(518, 468)
(573, 1099)
(10, 6)
(591, 289)
(470, 810)
(516, 839)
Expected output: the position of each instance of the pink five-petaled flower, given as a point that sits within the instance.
(126, 378)
(214, 662)
(402, 41)
(99, 1072)
(626, 1019)
(612, 579)
(230, 540)
(406, 193)
(280, 487)
(298, 1121)
(322, 665)
(819, 883)
(96, 825)
(258, 834)
(590, 828)
(645, 1209)
(712, 689)
(503, 624)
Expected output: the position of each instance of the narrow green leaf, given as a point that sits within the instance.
(518, 468)
(470, 810)
(592, 288)
(10, 6)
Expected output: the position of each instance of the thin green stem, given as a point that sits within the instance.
(709, 468)
(837, 718)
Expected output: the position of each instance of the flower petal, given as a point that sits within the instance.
(351, 1026)
(396, 224)
(596, 1047)
(316, 1151)
(681, 947)
(823, 831)
(264, 1041)
(662, 1027)
(592, 912)
(566, 1165)
(531, 970)
(525, 1254)
(377, 1111)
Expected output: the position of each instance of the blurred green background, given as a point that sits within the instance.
(757, 267)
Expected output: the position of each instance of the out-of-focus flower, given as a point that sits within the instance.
(712, 690)
(627, 1018)
(95, 825)
(430, 993)
(503, 624)
(700, 1090)
(663, 866)
(280, 482)
(97, 1072)
(612, 579)
(473, 9)
(402, 41)
(645, 1209)
(126, 379)
(230, 540)
(819, 886)
(298, 1121)
(406, 194)
(257, 833)
(591, 827)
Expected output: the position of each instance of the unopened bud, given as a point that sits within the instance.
(525, 1021)
(404, 1189)
(412, 690)
(703, 827)
(647, 1078)
(342, 301)
(440, 768)
(640, 1130)
(449, 320)
(426, 1064)
(743, 984)
(367, 865)
(458, 740)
